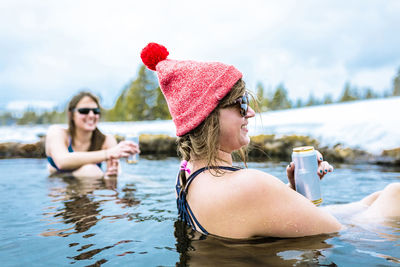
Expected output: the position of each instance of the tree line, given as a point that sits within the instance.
(141, 99)
(278, 99)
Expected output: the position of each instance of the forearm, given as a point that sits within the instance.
(75, 160)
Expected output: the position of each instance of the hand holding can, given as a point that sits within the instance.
(307, 180)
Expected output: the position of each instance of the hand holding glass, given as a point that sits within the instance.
(133, 158)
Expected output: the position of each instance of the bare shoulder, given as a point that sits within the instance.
(257, 188)
(56, 139)
(256, 181)
(56, 131)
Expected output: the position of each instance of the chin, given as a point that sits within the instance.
(245, 141)
(90, 128)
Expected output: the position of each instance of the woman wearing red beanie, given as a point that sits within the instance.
(209, 106)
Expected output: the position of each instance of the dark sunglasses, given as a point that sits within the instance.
(243, 102)
(86, 111)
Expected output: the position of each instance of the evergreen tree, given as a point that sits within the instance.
(328, 99)
(135, 105)
(29, 117)
(117, 113)
(312, 101)
(140, 100)
(349, 94)
(160, 110)
(396, 84)
(7, 118)
(299, 103)
(368, 93)
(262, 100)
(280, 99)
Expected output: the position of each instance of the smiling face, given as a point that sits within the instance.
(85, 122)
(233, 128)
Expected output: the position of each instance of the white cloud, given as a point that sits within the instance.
(54, 48)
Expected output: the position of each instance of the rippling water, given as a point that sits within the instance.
(56, 221)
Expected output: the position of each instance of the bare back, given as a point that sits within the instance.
(248, 203)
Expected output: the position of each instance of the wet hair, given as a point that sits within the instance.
(203, 142)
(98, 137)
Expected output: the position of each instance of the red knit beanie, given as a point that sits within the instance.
(192, 89)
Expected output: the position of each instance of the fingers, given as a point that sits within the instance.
(319, 156)
(290, 174)
(130, 147)
(112, 167)
(323, 168)
(124, 149)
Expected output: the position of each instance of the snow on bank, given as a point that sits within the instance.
(371, 125)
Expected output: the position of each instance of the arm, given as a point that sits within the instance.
(57, 148)
(273, 209)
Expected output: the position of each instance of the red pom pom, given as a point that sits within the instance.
(152, 54)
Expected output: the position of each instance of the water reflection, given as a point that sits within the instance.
(374, 241)
(199, 250)
(80, 206)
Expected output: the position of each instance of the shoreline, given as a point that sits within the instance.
(261, 148)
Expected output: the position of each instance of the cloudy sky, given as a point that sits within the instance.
(49, 50)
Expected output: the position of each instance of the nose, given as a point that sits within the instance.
(250, 113)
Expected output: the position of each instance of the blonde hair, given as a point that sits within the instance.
(203, 142)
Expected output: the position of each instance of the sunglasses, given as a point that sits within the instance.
(243, 102)
(86, 111)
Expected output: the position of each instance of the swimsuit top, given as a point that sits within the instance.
(70, 150)
(185, 213)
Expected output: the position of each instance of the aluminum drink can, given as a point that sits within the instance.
(305, 173)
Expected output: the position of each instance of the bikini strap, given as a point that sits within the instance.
(191, 177)
(70, 149)
(183, 206)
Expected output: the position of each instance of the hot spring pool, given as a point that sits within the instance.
(56, 221)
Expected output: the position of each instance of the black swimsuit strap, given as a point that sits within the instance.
(193, 175)
(185, 212)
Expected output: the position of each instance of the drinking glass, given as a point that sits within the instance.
(133, 158)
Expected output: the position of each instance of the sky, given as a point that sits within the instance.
(50, 50)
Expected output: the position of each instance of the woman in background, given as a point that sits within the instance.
(81, 149)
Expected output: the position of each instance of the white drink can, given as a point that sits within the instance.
(305, 173)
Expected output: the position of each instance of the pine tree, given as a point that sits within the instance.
(142, 99)
(349, 94)
(328, 99)
(368, 93)
(280, 99)
(117, 112)
(396, 84)
(312, 101)
(299, 103)
(160, 110)
(263, 102)
(136, 105)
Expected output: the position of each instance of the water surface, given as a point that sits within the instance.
(132, 221)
